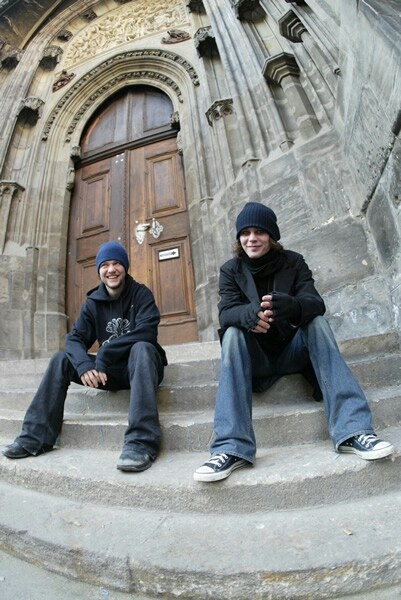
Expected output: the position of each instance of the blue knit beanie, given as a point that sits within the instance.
(112, 251)
(258, 215)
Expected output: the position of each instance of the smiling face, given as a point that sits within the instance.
(112, 274)
(255, 242)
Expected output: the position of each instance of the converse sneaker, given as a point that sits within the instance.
(367, 446)
(219, 467)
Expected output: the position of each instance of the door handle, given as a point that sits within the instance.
(155, 229)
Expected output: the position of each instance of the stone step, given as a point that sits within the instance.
(20, 580)
(332, 550)
(283, 416)
(199, 368)
(303, 475)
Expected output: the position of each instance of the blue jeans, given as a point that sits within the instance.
(141, 375)
(245, 367)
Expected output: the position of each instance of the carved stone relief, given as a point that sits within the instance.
(62, 80)
(175, 120)
(105, 66)
(175, 36)
(126, 23)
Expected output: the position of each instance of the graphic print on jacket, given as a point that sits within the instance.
(116, 327)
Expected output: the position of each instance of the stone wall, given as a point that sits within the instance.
(294, 104)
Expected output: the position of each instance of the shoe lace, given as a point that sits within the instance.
(366, 438)
(218, 459)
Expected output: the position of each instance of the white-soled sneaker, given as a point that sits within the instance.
(368, 446)
(219, 467)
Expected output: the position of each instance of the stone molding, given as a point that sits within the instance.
(205, 41)
(299, 2)
(248, 10)
(219, 109)
(129, 75)
(279, 66)
(291, 27)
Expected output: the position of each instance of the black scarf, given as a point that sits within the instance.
(263, 269)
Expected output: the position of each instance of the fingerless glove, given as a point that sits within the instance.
(286, 307)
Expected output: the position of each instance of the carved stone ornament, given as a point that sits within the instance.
(279, 66)
(196, 6)
(97, 72)
(219, 109)
(51, 56)
(88, 15)
(175, 36)
(248, 10)
(205, 42)
(11, 58)
(291, 27)
(125, 24)
(75, 153)
(64, 35)
(33, 105)
(62, 80)
(175, 120)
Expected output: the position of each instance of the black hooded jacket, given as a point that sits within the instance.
(116, 323)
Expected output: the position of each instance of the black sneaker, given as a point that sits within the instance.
(132, 462)
(219, 467)
(367, 446)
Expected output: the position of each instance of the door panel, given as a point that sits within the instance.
(157, 192)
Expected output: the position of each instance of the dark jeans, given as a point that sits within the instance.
(143, 373)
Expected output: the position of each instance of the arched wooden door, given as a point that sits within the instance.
(129, 186)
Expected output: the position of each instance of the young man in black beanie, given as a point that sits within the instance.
(272, 324)
(122, 316)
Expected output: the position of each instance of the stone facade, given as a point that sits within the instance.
(295, 104)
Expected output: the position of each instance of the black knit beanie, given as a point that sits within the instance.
(258, 215)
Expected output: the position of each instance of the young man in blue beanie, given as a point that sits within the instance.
(122, 316)
(272, 324)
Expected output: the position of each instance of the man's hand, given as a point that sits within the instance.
(94, 378)
(285, 307)
(265, 316)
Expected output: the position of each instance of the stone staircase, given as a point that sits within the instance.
(304, 523)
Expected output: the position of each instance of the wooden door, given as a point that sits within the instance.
(124, 186)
